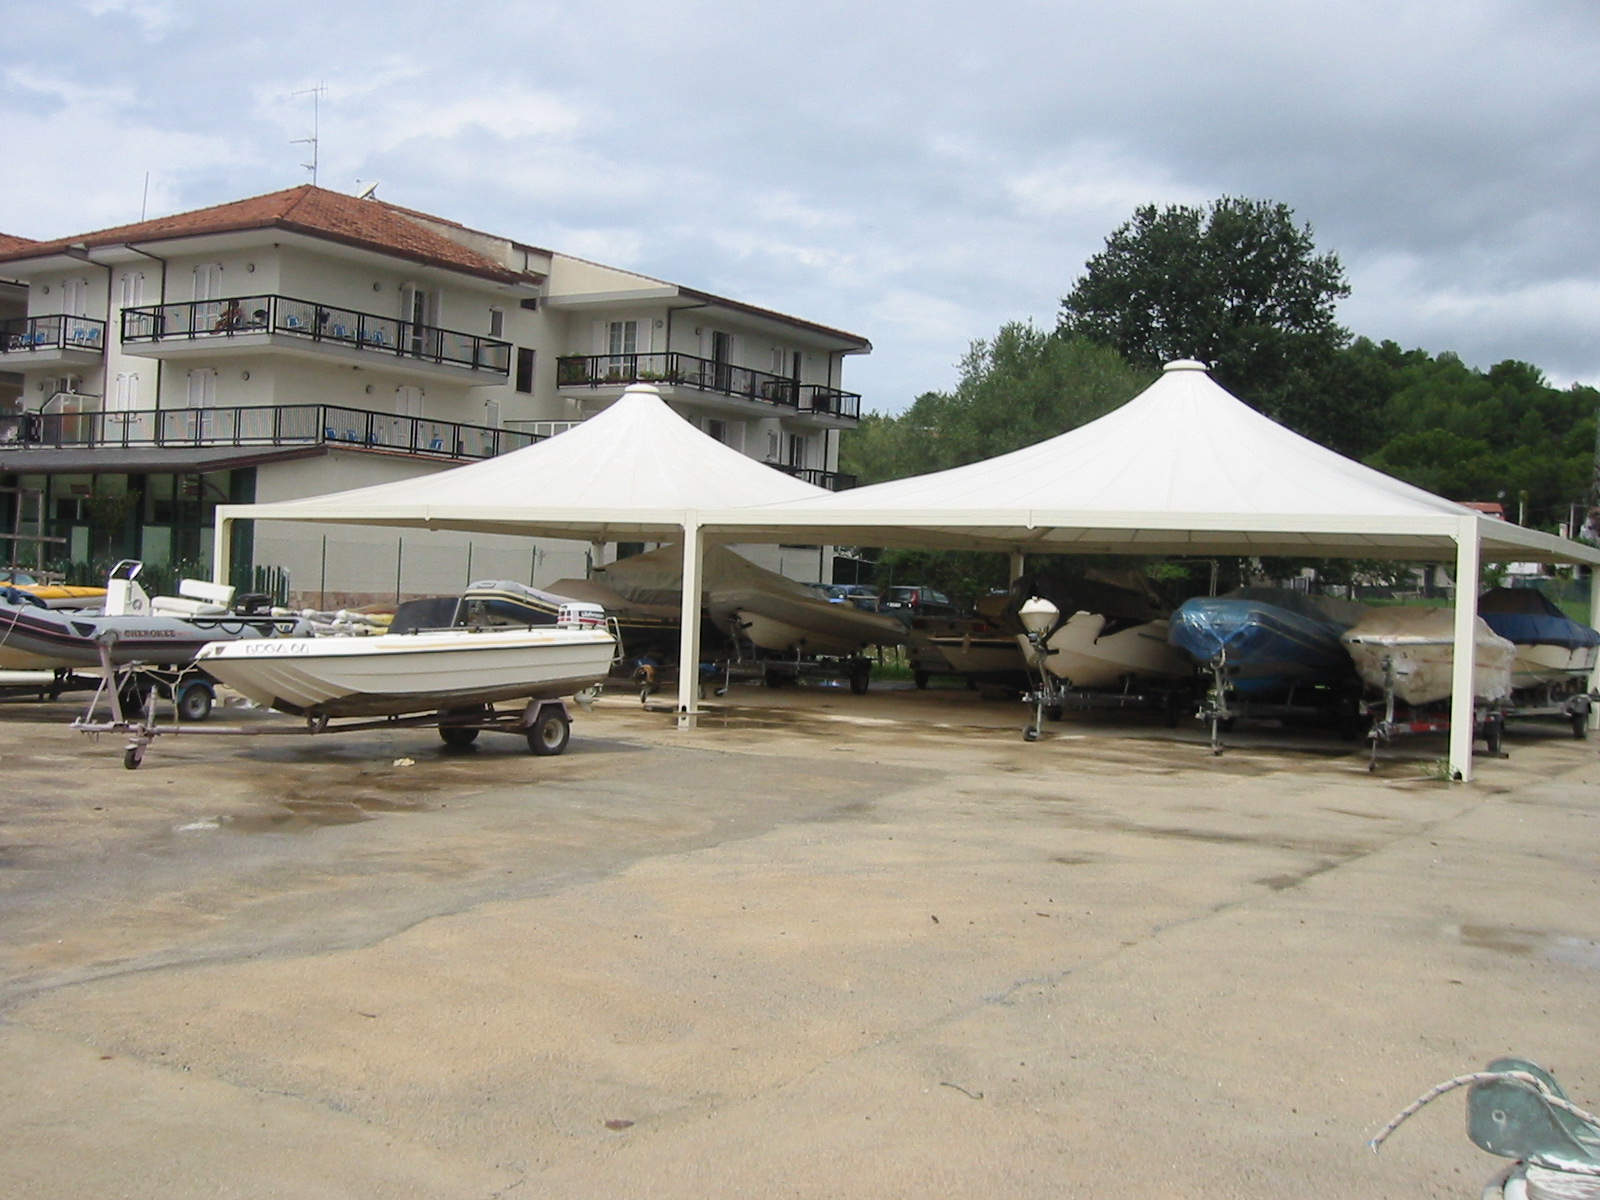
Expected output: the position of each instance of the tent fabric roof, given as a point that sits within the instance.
(635, 469)
(1183, 468)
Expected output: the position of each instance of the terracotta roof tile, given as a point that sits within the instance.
(315, 211)
(10, 242)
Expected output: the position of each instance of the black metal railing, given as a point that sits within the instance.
(264, 425)
(237, 315)
(834, 481)
(52, 333)
(703, 374)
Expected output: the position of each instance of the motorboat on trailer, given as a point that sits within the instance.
(1409, 652)
(1553, 650)
(54, 592)
(134, 627)
(1093, 635)
(455, 668)
(1264, 643)
(646, 630)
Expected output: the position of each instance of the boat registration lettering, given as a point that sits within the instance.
(264, 648)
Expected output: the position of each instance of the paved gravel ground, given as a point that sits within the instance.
(821, 946)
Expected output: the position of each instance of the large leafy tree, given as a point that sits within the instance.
(1239, 286)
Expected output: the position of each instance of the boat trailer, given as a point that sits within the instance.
(1051, 697)
(1392, 718)
(128, 702)
(1221, 706)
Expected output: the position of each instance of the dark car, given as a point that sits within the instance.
(859, 594)
(916, 601)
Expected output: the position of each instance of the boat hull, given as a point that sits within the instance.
(1262, 648)
(1083, 656)
(1552, 648)
(41, 639)
(392, 674)
(1413, 650)
(786, 624)
(982, 656)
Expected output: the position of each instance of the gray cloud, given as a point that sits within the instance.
(918, 174)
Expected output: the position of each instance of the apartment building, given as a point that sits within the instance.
(308, 341)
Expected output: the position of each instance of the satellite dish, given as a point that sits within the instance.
(366, 192)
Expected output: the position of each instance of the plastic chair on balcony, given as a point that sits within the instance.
(293, 322)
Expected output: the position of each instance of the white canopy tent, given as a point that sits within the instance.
(635, 472)
(1183, 468)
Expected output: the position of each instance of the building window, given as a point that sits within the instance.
(774, 447)
(125, 395)
(75, 297)
(524, 369)
(208, 281)
(717, 429)
(497, 322)
(408, 401)
(202, 388)
(132, 289)
(797, 450)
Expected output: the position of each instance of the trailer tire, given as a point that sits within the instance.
(195, 700)
(1580, 725)
(132, 757)
(1494, 728)
(456, 737)
(1031, 734)
(920, 678)
(550, 732)
(860, 678)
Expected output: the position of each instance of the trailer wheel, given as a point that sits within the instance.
(860, 677)
(132, 757)
(549, 732)
(1494, 728)
(456, 737)
(774, 679)
(1171, 709)
(920, 678)
(1031, 734)
(1580, 725)
(195, 701)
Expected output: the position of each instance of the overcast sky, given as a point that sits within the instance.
(918, 173)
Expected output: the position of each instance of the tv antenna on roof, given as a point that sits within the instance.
(316, 95)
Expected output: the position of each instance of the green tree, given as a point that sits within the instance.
(1239, 286)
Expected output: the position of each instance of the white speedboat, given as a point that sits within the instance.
(1412, 651)
(424, 671)
(1552, 648)
(159, 631)
(1103, 635)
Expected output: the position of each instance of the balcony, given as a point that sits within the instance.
(55, 341)
(267, 426)
(834, 481)
(685, 376)
(306, 329)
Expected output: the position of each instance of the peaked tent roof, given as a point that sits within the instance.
(307, 209)
(1183, 468)
(637, 469)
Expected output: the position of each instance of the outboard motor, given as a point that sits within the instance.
(578, 615)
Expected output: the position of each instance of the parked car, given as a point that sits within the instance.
(913, 600)
(860, 594)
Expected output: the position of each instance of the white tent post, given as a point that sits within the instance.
(689, 641)
(1594, 623)
(597, 554)
(221, 550)
(1466, 650)
(1019, 563)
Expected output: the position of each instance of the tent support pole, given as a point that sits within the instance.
(222, 550)
(689, 640)
(1594, 616)
(1466, 650)
(1019, 563)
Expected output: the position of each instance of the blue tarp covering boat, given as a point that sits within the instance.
(1528, 617)
(1267, 640)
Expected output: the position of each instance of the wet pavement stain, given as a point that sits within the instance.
(1569, 949)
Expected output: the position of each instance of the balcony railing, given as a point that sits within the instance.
(703, 374)
(834, 481)
(52, 333)
(264, 425)
(313, 322)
